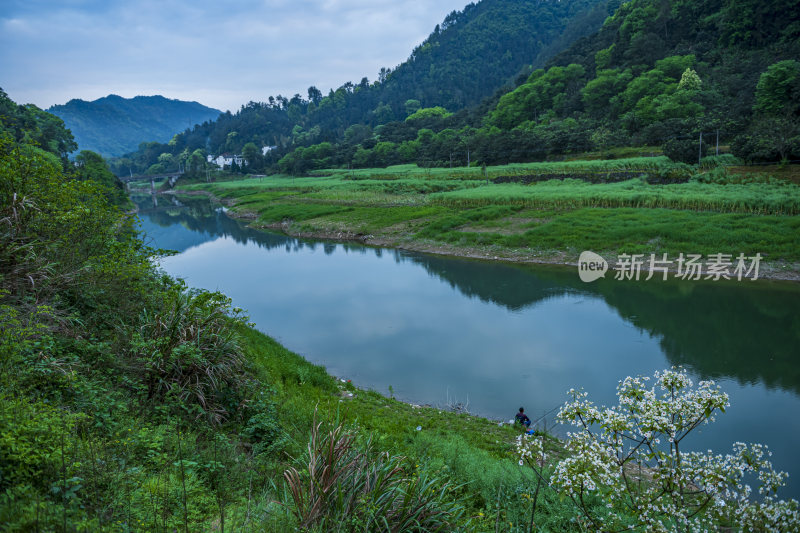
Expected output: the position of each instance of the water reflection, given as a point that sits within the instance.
(742, 330)
(749, 331)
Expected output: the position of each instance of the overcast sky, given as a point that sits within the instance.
(221, 54)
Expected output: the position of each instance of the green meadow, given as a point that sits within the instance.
(524, 210)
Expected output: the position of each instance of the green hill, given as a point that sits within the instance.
(471, 55)
(506, 81)
(114, 125)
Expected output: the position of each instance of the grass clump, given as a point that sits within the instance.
(344, 486)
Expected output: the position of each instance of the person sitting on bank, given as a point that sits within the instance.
(522, 418)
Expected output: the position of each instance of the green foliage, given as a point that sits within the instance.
(770, 138)
(29, 448)
(187, 349)
(82, 447)
(545, 90)
(27, 124)
(427, 113)
(683, 150)
(92, 167)
(412, 106)
(778, 89)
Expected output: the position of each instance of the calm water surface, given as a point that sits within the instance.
(496, 336)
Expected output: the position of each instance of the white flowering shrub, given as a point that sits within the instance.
(632, 459)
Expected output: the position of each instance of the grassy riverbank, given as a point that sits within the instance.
(547, 212)
(473, 454)
(129, 402)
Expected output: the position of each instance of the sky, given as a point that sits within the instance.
(222, 54)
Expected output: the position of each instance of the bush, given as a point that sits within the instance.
(754, 149)
(632, 457)
(683, 151)
(262, 429)
(189, 350)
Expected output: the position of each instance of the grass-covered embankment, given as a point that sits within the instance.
(668, 208)
(130, 403)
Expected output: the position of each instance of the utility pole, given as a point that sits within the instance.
(700, 149)
(717, 141)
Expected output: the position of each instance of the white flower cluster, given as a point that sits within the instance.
(630, 455)
(530, 449)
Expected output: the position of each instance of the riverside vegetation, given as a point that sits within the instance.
(129, 402)
(506, 211)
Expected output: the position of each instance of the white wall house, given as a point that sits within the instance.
(226, 160)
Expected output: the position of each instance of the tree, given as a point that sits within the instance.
(30, 125)
(251, 155)
(778, 89)
(412, 106)
(196, 162)
(90, 166)
(314, 95)
(683, 150)
(690, 81)
(633, 457)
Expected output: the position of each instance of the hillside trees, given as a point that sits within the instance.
(474, 53)
(656, 71)
(775, 131)
(90, 166)
(30, 125)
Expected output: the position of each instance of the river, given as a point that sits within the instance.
(494, 336)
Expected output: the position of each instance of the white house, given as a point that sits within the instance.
(226, 160)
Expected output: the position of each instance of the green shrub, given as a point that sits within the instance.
(683, 150)
(189, 349)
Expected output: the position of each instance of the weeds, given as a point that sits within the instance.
(344, 487)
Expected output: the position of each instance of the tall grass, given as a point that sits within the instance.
(343, 487)
(740, 198)
(640, 164)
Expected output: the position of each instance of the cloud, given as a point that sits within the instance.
(220, 54)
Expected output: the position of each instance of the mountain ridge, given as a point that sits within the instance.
(113, 125)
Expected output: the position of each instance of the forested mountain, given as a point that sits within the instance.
(656, 72)
(114, 125)
(467, 57)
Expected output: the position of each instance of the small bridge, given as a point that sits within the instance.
(172, 176)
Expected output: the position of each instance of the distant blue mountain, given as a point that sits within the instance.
(114, 125)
